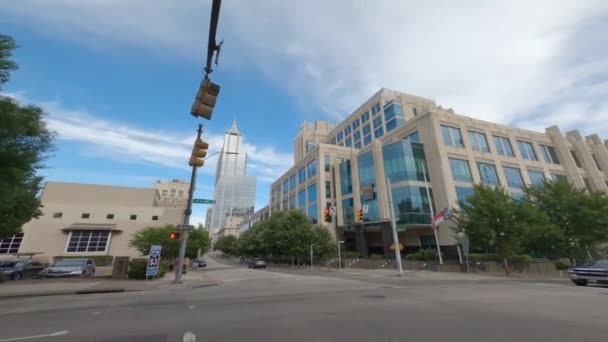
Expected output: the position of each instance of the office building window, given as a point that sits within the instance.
(527, 150)
(355, 124)
(346, 177)
(378, 132)
(327, 189)
(292, 182)
(488, 175)
(57, 215)
(575, 157)
(596, 163)
(367, 180)
(558, 177)
(348, 210)
(549, 154)
(88, 241)
(367, 140)
(358, 144)
(377, 122)
(478, 141)
(463, 193)
(365, 117)
(587, 185)
(333, 141)
(503, 146)
(180, 193)
(285, 186)
(312, 193)
(366, 129)
(133, 217)
(312, 168)
(110, 216)
(85, 215)
(326, 163)
(302, 176)
(404, 160)
(302, 199)
(292, 202)
(413, 137)
(513, 176)
(165, 192)
(347, 131)
(357, 139)
(367, 135)
(460, 170)
(173, 190)
(312, 214)
(310, 145)
(154, 217)
(537, 178)
(393, 115)
(11, 244)
(451, 136)
(348, 142)
(414, 111)
(340, 136)
(376, 109)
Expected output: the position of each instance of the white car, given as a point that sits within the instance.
(71, 268)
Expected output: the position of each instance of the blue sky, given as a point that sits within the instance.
(118, 77)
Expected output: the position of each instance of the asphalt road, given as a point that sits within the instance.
(259, 305)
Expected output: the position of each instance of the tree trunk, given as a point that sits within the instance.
(506, 265)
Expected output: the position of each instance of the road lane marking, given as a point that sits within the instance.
(189, 337)
(267, 277)
(191, 307)
(55, 334)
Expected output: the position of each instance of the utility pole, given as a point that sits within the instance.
(186, 223)
(396, 243)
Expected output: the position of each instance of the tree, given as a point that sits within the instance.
(577, 219)
(494, 221)
(144, 238)
(25, 141)
(227, 244)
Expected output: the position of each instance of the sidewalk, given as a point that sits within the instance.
(67, 286)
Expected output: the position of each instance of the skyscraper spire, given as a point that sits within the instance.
(234, 129)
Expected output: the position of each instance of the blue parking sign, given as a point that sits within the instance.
(153, 260)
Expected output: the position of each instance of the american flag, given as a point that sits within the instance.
(441, 216)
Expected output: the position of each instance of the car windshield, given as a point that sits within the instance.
(600, 263)
(12, 263)
(75, 262)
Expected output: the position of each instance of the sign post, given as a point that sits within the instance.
(153, 261)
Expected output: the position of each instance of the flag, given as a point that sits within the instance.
(441, 216)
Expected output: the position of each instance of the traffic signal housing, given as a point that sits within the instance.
(205, 99)
(359, 215)
(326, 215)
(174, 235)
(198, 153)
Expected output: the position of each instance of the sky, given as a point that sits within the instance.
(117, 78)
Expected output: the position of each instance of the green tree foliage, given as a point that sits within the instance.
(227, 244)
(144, 238)
(494, 221)
(285, 234)
(25, 141)
(577, 220)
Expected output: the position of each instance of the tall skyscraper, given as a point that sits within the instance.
(234, 191)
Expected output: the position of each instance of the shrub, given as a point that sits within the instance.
(350, 255)
(560, 266)
(137, 269)
(422, 255)
(377, 257)
(2, 277)
(99, 260)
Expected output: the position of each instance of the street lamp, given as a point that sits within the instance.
(340, 256)
(465, 246)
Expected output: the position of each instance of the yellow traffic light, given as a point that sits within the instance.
(205, 100)
(359, 215)
(198, 153)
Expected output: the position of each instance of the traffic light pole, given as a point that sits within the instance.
(187, 213)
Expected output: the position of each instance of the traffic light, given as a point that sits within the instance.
(326, 215)
(205, 99)
(359, 215)
(174, 235)
(198, 153)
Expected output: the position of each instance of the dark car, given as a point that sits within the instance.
(596, 270)
(200, 262)
(19, 269)
(257, 263)
(71, 268)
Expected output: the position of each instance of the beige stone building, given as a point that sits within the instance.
(418, 146)
(86, 219)
(173, 193)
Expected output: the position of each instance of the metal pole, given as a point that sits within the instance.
(428, 194)
(339, 256)
(187, 213)
(311, 256)
(394, 227)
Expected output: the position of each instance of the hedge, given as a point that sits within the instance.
(483, 257)
(99, 260)
(137, 269)
(422, 255)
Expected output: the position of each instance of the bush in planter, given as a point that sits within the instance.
(377, 257)
(422, 255)
(137, 269)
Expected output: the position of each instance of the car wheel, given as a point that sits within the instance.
(580, 282)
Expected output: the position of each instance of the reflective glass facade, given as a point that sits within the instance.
(526, 150)
(460, 170)
(367, 176)
(549, 154)
(513, 176)
(411, 205)
(488, 175)
(311, 168)
(462, 193)
(536, 177)
(451, 136)
(348, 211)
(346, 177)
(503, 146)
(478, 142)
(404, 161)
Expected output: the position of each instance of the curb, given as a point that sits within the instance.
(65, 293)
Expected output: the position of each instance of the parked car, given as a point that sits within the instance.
(200, 262)
(596, 270)
(257, 263)
(71, 268)
(20, 269)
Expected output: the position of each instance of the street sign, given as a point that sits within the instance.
(332, 210)
(153, 261)
(203, 201)
(365, 208)
(185, 227)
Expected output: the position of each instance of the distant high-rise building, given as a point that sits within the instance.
(234, 193)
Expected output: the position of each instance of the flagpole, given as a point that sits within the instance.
(428, 194)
